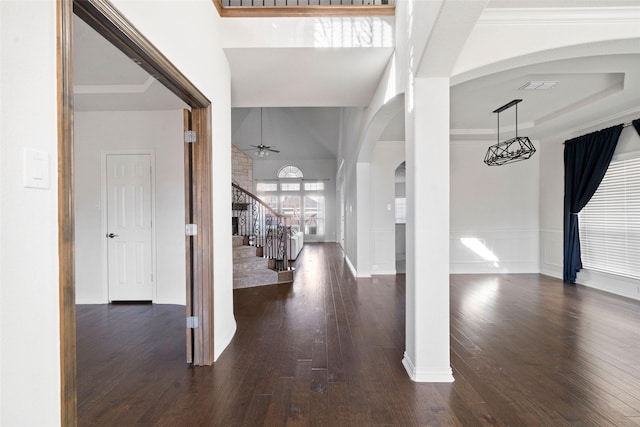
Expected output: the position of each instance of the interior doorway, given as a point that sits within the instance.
(400, 219)
(107, 21)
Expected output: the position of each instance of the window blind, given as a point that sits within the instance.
(610, 223)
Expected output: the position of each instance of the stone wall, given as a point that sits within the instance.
(242, 168)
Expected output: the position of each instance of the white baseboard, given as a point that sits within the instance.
(618, 285)
(384, 273)
(221, 343)
(80, 300)
(431, 376)
(171, 301)
(551, 270)
(351, 267)
(489, 268)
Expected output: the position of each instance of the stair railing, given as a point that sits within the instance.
(262, 227)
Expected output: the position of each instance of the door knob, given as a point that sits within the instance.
(111, 235)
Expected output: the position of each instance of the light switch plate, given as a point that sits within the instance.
(36, 169)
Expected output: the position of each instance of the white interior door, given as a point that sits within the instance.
(129, 227)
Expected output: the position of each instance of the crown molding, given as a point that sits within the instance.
(548, 15)
(102, 89)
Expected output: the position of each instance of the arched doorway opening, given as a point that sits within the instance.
(400, 219)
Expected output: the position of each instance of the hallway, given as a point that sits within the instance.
(327, 350)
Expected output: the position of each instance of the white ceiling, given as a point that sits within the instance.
(309, 133)
(307, 77)
(585, 88)
(105, 79)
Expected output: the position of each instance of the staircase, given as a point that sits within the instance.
(251, 270)
(260, 239)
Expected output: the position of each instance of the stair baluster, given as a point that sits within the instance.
(261, 227)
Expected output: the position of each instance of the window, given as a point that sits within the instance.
(290, 172)
(271, 200)
(290, 186)
(314, 186)
(610, 223)
(401, 210)
(290, 205)
(314, 215)
(266, 186)
(303, 200)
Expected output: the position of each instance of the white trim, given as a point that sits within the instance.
(92, 301)
(103, 189)
(384, 272)
(618, 285)
(437, 376)
(597, 124)
(557, 15)
(113, 89)
(351, 267)
(551, 271)
(168, 301)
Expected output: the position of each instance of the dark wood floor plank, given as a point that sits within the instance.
(338, 414)
(327, 350)
(278, 411)
(319, 397)
(256, 413)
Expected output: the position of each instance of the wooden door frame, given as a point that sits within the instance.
(112, 25)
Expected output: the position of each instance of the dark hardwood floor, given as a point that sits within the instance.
(526, 350)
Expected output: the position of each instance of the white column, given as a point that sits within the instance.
(363, 215)
(426, 357)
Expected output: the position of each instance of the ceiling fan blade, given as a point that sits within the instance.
(273, 150)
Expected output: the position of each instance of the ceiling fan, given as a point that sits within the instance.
(261, 149)
(264, 150)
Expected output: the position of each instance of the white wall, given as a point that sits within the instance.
(162, 132)
(321, 169)
(551, 212)
(387, 156)
(350, 221)
(175, 28)
(496, 44)
(350, 124)
(29, 310)
(551, 206)
(29, 313)
(498, 205)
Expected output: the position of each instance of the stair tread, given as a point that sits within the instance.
(251, 270)
(244, 252)
(251, 260)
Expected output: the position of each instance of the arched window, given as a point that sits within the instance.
(302, 200)
(290, 172)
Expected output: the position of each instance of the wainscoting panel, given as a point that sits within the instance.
(551, 256)
(494, 251)
(551, 253)
(384, 252)
(618, 285)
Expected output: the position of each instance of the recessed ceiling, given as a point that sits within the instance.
(105, 79)
(589, 89)
(586, 88)
(559, 3)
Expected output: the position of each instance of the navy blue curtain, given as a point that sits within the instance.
(586, 159)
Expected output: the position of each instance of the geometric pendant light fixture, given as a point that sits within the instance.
(512, 150)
